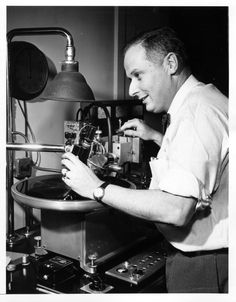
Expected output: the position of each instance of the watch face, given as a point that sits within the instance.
(98, 193)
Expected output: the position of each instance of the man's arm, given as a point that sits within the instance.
(154, 205)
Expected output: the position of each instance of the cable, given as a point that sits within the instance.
(26, 139)
(21, 134)
(100, 145)
(80, 110)
(78, 133)
(38, 158)
(26, 119)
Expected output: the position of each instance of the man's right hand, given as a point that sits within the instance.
(138, 128)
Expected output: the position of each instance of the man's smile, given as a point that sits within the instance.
(144, 98)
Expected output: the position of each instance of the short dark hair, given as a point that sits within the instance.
(158, 43)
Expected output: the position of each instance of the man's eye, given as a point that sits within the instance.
(137, 75)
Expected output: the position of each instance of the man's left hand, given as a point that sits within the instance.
(78, 176)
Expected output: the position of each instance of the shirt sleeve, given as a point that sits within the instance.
(192, 155)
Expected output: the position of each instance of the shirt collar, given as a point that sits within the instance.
(179, 98)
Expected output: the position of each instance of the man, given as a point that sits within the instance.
(188, 196)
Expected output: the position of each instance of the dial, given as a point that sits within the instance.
(28, 70)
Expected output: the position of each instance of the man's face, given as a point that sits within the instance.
(149, 81)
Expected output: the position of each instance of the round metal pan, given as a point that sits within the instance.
(50, 192)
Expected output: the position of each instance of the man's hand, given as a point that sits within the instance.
(138, 128)
(78, 176)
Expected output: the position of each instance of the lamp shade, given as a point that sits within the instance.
(29, 70)
(68, 85)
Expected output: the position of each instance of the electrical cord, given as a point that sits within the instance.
(26, 139)
(79, 111)
(26, 119)
(38, 158)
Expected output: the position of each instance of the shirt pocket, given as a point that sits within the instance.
(159, 167)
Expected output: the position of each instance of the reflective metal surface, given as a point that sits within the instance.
(50, 192)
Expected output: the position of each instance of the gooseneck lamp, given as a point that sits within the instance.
(67, 85)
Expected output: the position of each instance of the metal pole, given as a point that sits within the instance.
(9, 158)
(35, 147)
(28, 211)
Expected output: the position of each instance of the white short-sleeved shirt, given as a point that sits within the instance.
(193, 162)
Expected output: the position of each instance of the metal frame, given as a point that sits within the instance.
(11, 146)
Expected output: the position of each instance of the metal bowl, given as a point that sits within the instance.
(50, 192)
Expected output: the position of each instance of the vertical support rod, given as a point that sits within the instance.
(28, 210)
(9, 157)
(115, 51)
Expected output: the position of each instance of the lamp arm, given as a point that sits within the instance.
(39, 31)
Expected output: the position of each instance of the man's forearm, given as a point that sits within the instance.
(153, 205)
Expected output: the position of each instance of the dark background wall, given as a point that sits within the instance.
(205, 32)
(203, 29)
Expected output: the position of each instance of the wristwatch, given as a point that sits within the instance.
(99, 192)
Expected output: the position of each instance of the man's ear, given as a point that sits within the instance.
(171, 63)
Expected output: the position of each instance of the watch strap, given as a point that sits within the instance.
(104, 185)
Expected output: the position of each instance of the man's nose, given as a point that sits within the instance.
(133, 89)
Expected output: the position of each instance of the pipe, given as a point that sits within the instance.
(39, 31)
(9, 158)
(35, 147)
